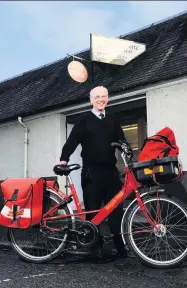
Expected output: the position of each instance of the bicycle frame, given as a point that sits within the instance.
(130, 185)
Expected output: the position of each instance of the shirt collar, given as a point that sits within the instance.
(97, 113)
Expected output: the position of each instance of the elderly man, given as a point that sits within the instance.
(95, 131)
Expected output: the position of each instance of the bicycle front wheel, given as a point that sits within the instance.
(37, 245)
(163, 248)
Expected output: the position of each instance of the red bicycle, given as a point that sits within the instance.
(153, 225)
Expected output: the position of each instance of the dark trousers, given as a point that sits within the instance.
(101, 184)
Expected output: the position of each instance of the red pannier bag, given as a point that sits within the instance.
(23, 202)
(162, 144)
(158, 162)
(52, 184)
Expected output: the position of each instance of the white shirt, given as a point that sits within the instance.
(97, 113)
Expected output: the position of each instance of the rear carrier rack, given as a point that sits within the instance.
(158, 171)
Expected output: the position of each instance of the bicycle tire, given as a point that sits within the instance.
(127, 234)
(37, 259)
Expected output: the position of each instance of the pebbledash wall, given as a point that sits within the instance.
(166, 106)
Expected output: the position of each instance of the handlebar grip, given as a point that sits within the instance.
(116, 145)
(123, 147)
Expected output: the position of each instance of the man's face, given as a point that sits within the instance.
(99, 99)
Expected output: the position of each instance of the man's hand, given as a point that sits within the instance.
(62, 163)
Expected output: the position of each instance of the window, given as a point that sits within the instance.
(131, 134)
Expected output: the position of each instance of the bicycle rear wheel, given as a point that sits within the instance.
(166, 248)
(33, 244)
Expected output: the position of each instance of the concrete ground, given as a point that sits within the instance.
(81, 272)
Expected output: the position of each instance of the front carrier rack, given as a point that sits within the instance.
(158, 171)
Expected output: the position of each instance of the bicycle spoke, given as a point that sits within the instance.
(169, 246)
(147, 241)
(172, 216)
(174, 237)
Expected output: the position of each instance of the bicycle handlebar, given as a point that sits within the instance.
(123, 147)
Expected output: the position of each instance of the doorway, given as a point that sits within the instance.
(134, 125)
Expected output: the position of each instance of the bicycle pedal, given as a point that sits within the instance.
(74, 247)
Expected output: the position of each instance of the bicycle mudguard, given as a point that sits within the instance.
(23, 202)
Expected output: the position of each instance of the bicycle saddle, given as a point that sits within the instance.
(65, 169)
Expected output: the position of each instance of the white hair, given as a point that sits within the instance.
(92, 92)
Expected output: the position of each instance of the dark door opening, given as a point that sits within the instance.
(134, 125)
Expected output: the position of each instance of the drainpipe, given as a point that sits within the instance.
(26, 142)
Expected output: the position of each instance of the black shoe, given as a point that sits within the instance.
(97, 254)
(119, 245)
(119, 253)
(97, 251)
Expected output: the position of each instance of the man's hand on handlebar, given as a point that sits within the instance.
(64, 163)
(124, 147)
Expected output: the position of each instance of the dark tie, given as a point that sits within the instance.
(101, 115)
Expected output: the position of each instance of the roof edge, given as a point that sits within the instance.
(154, 24)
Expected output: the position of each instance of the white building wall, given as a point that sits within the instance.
(168, 107)
(11, 151)
(46, 136)
(42, 154)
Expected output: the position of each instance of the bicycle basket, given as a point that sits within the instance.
(158, 171)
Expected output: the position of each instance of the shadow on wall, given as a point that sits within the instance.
(178, 189)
